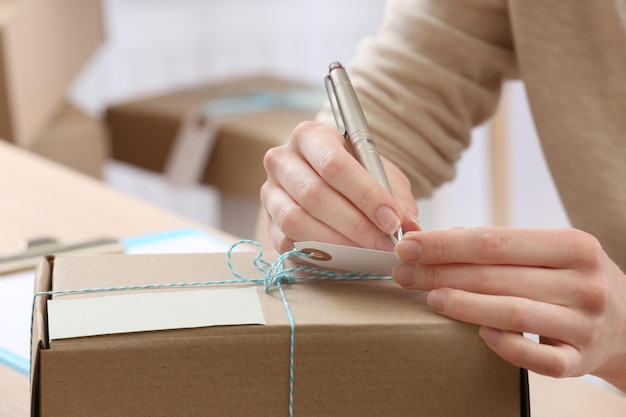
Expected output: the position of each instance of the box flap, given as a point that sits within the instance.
(154, 122)
(44, 46)
(39, 331)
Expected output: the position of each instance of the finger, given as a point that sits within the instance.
(554, 286)
(410, 223)
(338, 168)
(290, 222)
(280, 241)
(331, 210)
(511, 314)
(556, 360)
(556, 248)
(402, 193)
(301, 205)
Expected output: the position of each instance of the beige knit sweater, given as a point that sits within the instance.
(435, 70)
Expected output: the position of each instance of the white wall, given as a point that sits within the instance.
(155, 45)
(534, 199)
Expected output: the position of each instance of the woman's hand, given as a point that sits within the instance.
(558, 284)
(316, 190)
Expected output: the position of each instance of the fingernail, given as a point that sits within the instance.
(490, 335)
(404, 275)
(387, 220)
(409, 250)
(417, 222)
(437, 299)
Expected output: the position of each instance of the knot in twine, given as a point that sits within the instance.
(275, 273)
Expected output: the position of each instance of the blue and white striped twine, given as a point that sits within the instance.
(274, 275)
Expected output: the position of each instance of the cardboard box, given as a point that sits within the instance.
(143, 131)
(360, 348)
(43, 46)
(76, 140)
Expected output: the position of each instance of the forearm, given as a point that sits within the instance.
(431, 74)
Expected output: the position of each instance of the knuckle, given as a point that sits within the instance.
(492, 281)
(431, 275)
(557, 368)
(272, 157)
(310, 193)
(490, 245)
(368, 198)
(304, 129)
(289, 220)
(332, 163)
(265, 192)
(284, 245)
(363, 233)
(596, 294)
(458, 306)
(593, 331)
(519, 315)
(587, 245)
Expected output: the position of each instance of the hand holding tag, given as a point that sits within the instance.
(348, 258)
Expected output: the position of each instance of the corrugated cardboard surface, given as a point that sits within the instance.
(143, 132)
(43, 46)
(75, 140)
(361, 349)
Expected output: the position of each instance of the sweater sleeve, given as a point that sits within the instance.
(432, 72)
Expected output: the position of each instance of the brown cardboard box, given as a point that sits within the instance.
(43, 45)
(143, 132)
(361, 348)
(75, 140)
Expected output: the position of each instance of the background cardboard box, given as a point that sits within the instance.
(143, 132)
(43, 45)
(75, 140)
(361, 348)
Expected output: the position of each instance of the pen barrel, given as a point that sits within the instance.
(366, 153)
(357, 131)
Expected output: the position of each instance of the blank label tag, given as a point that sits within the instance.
(347, 258)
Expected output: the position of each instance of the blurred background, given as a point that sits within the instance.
(156, 47)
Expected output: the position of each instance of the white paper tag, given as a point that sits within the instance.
(192, 149)
(123, 313)
(347, 258)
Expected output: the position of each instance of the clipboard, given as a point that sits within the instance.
(28, 256)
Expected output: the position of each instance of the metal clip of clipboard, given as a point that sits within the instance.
(30, 253)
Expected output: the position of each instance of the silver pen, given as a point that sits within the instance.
(353, 126)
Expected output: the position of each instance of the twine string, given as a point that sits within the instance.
(274, 274)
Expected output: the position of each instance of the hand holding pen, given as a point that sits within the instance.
(316, 189)
(353, 126)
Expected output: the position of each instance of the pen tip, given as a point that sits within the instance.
(397, 236)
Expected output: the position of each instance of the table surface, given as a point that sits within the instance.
(40, 198)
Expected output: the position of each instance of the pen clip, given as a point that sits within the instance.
(334, 106)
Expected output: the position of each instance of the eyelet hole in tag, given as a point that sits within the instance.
(316, 254)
